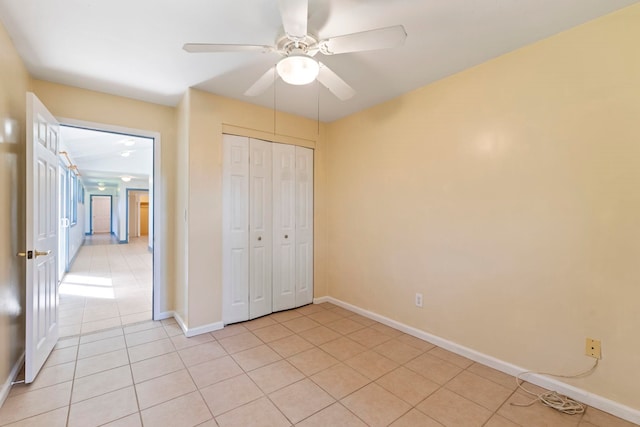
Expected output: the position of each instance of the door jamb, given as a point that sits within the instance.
(64, 199)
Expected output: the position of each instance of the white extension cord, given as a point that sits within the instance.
(553, 399)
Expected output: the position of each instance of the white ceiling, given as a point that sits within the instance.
(98, 156)
(134, 48)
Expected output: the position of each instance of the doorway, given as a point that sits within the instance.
(100, 214)
(120, 275)
(138, 214)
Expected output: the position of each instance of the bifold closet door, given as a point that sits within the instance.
(304, 226)
(247, 235)
(284, 226)
(235, 229)
(292, 226)
(260, 232)
(267, 220)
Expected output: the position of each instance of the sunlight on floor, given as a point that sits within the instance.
(87, 290)
(78, 279)
(108, 285)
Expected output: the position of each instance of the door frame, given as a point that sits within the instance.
(91, 196)
(156, 195)
(126, 233)
(64, 201)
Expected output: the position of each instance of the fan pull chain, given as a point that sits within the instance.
(275, 82)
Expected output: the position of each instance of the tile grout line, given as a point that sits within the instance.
(196, 385)
(133, 381)
(73, 383)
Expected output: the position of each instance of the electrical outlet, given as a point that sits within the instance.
(593, 348)
(418, 300)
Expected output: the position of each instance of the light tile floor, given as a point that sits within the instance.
(319, 365)
(108, 285)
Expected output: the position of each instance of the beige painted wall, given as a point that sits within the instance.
(507, 195)
(179, 220)
(14, 83)
(208, 117)
(80, 104)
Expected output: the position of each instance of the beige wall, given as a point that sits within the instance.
(80, 104)
(14, 83)
(208, 117)
(182, 196)
(507, 195)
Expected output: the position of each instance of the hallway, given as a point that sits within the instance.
(108, 285)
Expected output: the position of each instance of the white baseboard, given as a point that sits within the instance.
(6, 387)
(588, 398)
(192, 332)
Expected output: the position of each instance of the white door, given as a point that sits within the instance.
(101, 214)
(235, 229)
(284, 227)
(42, 236)
(260, 239)
(304, 226)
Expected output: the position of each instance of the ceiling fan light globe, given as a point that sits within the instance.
(298, 69)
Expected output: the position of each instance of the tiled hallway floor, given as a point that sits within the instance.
(107, 285)
(319, 365)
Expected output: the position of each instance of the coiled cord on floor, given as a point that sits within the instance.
(553, 399)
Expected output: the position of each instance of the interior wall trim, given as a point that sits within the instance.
(586, 397)
(267, 136)
(198, 330)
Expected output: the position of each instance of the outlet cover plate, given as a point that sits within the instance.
(593, 348)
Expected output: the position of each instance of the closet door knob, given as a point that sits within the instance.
(286, 236)
(259, 238)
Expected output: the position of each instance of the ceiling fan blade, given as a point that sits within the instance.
(334, 83)
(381, 38)
(294, 18)
(214, 48)
(263, 82)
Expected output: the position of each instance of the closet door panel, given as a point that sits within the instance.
(235, 223)
(284, 227)
(304, 226)
(260, 229)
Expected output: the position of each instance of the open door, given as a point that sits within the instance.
(42, 236)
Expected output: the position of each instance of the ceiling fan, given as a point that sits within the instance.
(298, 48)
